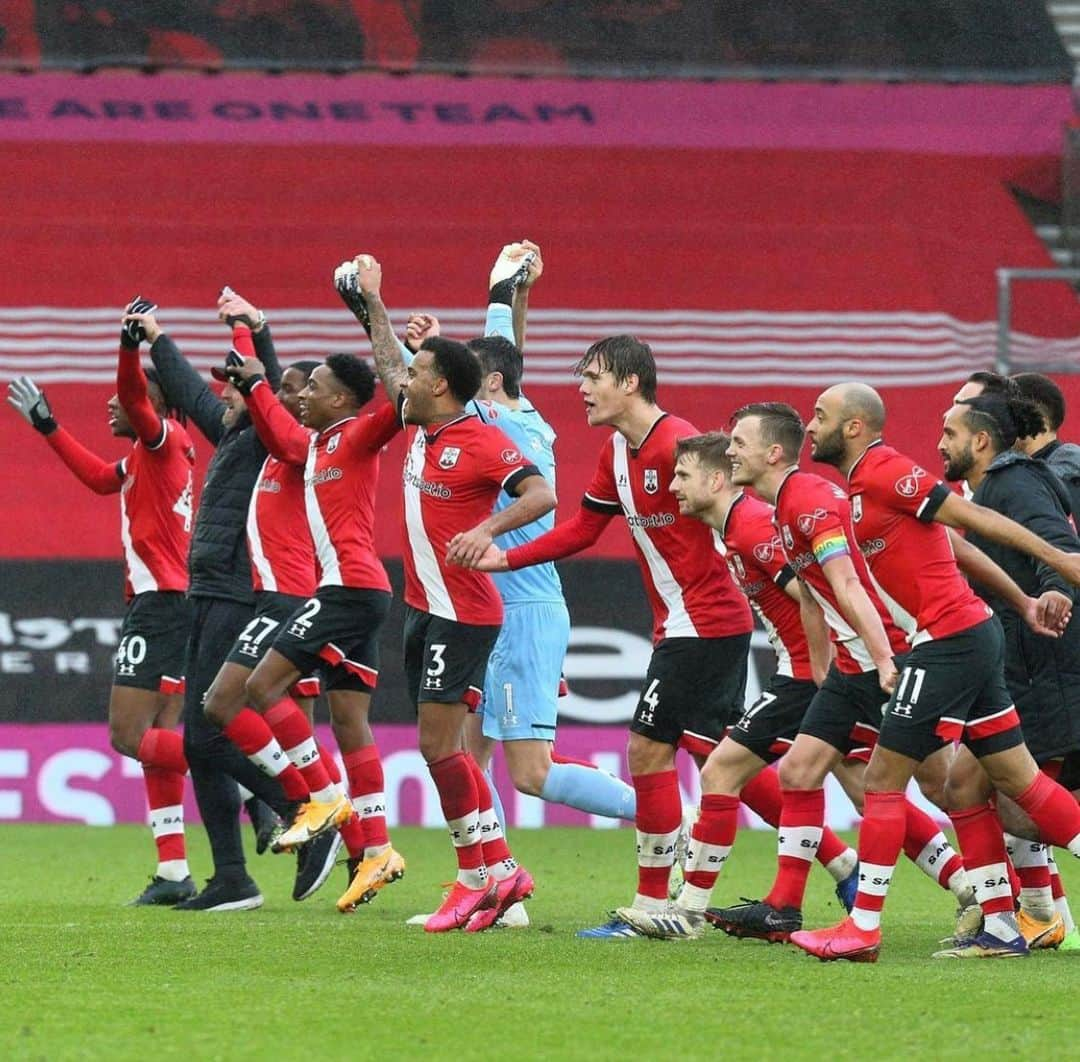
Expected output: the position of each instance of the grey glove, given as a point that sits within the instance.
(348, 287)
(33, 406)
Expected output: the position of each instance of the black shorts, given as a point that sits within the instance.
(337, 629)
(153, 641)
(846, 711)
(695, 689)
(445, 661)
(255, 640)
(952, 689)
(768, 727)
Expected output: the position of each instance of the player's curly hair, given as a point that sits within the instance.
(1004, 417)
(354, 374)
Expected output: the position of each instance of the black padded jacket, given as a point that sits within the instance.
(218, 561)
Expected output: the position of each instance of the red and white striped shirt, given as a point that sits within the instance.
(341, 472)
(687, 581)
(156, 511)
(911, 558)
(760, 569)
(453, 475)
(814, 520)
(279, 539)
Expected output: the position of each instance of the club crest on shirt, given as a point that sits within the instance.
(449, 457)
(856, 508)
(332, 445)
(652, 481)
(908, 486)
(511, 457)
(785, 533)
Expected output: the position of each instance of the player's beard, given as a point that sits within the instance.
(957, 467)
(828, 449)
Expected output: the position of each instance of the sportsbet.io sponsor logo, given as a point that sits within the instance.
(435, 490)
(324, 475)
(652, 520)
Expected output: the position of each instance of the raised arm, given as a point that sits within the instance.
(359, 284)
(102, 477)
(277, 429)
(238, 313)
(131, 388)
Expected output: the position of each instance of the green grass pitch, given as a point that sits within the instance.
(83, 977)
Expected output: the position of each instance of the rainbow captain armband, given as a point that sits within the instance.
(829, 544)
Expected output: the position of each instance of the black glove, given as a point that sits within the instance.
(132, 333)
(233, 361)
(33, 406)
(348, 287)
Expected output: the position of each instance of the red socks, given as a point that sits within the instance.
(881, 837)
(801, 819)
(978, 831)
(366, 787)
(291, 728)
(249, 732)
(454, 779)
(658, 818)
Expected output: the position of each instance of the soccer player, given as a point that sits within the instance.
(455, 469)
(812, 519)
(221, 596)
(951, 686)
(154, 483)
(338, 627)
(983, 441)
(746, 536)
(520, 703)
(283, 575)
(697, 675)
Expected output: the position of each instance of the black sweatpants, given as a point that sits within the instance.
(216, 763)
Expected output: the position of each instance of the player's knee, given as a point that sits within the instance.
(435, 747)
(644, 756)
(800, 772)
(214, 707)
(529, 778)
(257, 691)
(125, 738)
(722, 774)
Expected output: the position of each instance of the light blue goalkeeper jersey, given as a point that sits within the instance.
(535, 438)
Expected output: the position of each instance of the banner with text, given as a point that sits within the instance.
(68, 773)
